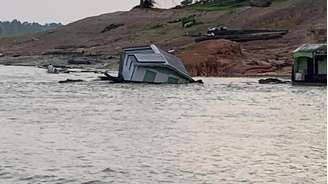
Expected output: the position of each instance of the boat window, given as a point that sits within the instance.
(172, 80)
(149, 76)
(301, 65)
(131, 63)
(322, 65)
(128, 61)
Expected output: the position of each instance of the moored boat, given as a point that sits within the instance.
(310, 65)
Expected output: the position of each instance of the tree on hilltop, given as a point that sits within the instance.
(147, 3)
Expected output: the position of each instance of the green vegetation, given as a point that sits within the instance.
(223, 5)
(186, 2)
(147, 3)
(16, 27)
(187, 21)
(111, 27)
(218, 5)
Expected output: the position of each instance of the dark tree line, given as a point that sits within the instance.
(16, 27)
(147, 3)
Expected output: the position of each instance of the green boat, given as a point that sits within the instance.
(310, 65)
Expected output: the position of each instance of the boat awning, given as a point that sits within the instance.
(307, 50)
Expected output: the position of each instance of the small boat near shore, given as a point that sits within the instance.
(241, 35)
(310, 65)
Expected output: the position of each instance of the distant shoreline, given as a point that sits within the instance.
(41, 62)
(98, 41)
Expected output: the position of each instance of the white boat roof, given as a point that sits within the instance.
(310, 47)
(150, 58)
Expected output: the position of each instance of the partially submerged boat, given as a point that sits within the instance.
(150, 64)
(310, 65)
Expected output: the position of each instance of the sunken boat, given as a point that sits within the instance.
(310, 65)
(150, 64)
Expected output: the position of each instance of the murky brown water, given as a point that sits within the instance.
(229, 130)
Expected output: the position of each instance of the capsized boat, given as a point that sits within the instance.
(150, 64)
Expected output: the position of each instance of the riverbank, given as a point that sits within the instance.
(112, 65)
(97, 41)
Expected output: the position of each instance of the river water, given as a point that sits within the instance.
(229, 130)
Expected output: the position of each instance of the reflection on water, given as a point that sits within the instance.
(229, 130)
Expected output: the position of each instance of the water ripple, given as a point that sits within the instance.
(229, 130)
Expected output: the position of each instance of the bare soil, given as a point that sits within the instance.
(105, 35)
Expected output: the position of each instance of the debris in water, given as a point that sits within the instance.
(272, 81)
(52, 69)
(71, 81)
